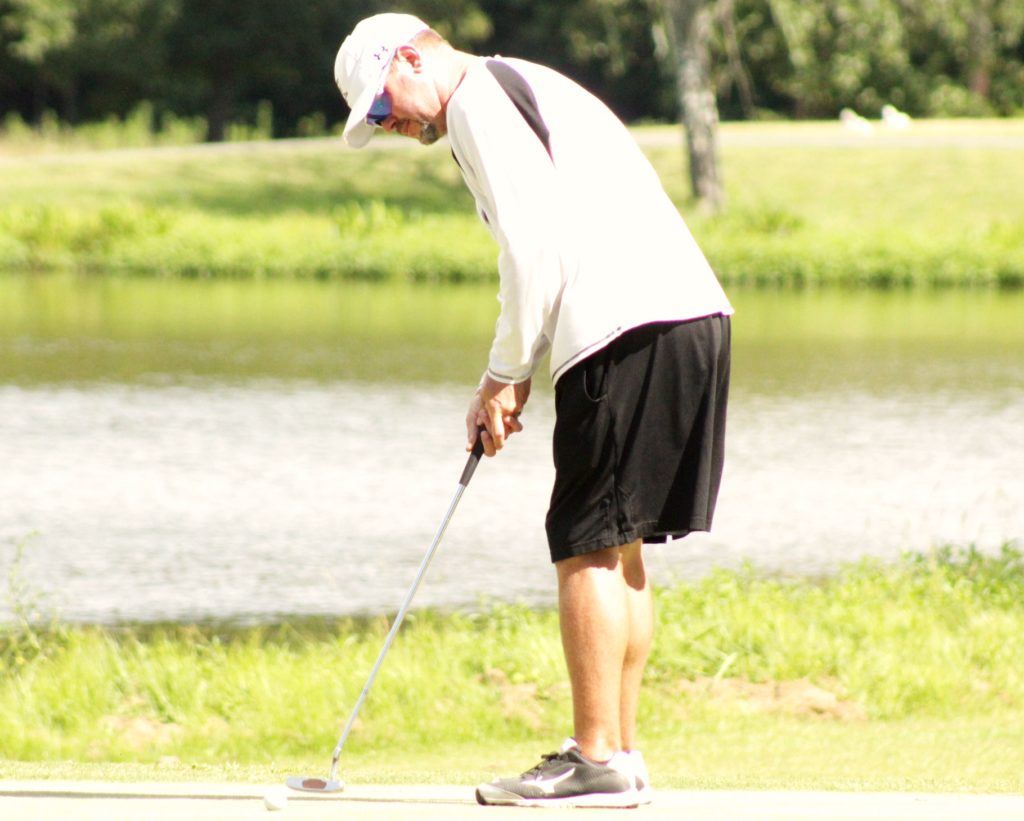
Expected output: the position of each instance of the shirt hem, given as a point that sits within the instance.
(594, 347)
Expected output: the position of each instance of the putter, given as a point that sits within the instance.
(333, 783)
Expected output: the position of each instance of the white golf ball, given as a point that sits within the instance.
(276, 798)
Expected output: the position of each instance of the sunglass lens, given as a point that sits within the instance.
(380, 110)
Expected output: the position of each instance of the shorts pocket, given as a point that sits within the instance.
(595, 375)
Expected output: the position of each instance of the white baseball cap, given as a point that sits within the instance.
(363, 62)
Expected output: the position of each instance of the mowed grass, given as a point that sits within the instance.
(971, 754)
(905, 676)
(937, 205)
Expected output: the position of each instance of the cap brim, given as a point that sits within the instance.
(357, 135)
(357, 131)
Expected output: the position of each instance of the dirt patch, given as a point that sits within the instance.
(216, 726)
(799, 697)
(518, 702)
(140, 732)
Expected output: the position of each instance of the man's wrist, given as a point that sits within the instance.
(490, 387)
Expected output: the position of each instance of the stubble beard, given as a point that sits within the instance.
(429, 134)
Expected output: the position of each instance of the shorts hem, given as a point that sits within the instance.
(645, 531)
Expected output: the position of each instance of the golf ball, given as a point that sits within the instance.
(276, 798)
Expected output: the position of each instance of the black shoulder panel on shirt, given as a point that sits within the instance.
(519, 92)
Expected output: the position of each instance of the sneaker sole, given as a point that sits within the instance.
(487, 794)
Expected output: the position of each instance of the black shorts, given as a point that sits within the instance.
(640, 438)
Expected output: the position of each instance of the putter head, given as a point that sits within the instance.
(304, 784)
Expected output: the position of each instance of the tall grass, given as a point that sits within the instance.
(896, 217)
(369, 241)
(936, 216)
(142, 127)
(931, 637)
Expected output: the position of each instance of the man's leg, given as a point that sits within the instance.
(606, 620)
(594, 609)
(640, 604)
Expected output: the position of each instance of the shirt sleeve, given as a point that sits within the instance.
(513, 180)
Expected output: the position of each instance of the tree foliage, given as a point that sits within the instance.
(38, 27)
(88, 59)
(930, 56)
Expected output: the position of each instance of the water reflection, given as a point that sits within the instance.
(290, 447)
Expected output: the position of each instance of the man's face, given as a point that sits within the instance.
(416, 109)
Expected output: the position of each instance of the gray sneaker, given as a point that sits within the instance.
(563, 779)
(632, 765)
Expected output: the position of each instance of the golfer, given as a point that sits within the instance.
(598, 270)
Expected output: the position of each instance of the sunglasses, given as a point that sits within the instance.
(380, 110)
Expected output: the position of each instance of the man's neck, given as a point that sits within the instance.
(459, 64)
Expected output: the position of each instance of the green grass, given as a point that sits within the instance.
(972, 754)
(134, 130)
(937, 216)
(941, 211)
(885, 677)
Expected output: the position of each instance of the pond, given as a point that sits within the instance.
(253, 450)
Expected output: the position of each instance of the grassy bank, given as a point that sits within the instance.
(905, 676)
(939, 205)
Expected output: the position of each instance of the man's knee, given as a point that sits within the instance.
(633, 570)
(608, 558)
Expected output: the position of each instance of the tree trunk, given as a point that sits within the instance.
(690, 27)
(39, 97)
(71, 95)
(744, 86)
(983, 49)
(218, 112)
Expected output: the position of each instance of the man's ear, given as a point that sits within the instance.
(410, 55)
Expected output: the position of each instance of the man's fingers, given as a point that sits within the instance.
(496, 427)
(496, 409)
(489, 449)
(480, 423)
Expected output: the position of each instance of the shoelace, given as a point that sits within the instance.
(545, 760)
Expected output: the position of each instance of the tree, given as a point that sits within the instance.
(224, 57)
(844, 53)
(34, 30)
(604, 45)
(689, 24)
(737, 73)
(38, 27)
(90, 59)
(95, 57)
(967, 55)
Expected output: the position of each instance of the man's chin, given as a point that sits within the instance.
(429, 134)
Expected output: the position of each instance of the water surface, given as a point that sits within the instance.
(186, 450)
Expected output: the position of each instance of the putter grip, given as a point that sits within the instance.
(474, 459)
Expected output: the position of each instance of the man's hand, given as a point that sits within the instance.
(495, 406)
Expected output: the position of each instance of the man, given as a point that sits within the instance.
(597, 267)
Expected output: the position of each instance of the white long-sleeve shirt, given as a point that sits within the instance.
(589, 243)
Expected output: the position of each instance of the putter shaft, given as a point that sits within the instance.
(467, 473)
